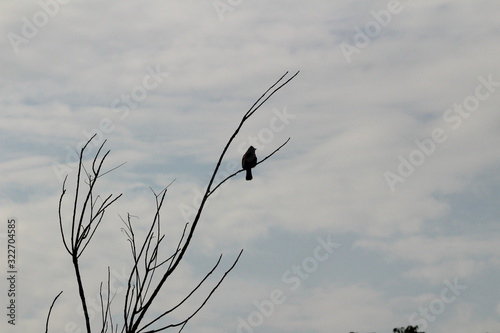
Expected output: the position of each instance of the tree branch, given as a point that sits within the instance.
(50, 310)
(82, 232)
(185, 321)
(135, 322)
(241, 170)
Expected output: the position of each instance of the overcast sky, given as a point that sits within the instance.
(380, 212)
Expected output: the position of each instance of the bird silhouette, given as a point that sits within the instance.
(249, 161)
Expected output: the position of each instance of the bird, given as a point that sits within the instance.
(249, 161)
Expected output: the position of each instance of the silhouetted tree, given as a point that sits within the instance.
(409, 329)
(88, 209)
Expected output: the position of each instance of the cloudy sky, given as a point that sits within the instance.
(380, 212)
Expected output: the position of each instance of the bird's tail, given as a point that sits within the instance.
(249, 174)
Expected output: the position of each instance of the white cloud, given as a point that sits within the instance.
(335, 307)
(435, 260)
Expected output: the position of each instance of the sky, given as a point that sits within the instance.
(380, 212)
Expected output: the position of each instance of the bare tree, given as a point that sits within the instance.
(149, 271)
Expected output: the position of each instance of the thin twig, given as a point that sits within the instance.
(60, 215)
(113, 169)
(50, 310)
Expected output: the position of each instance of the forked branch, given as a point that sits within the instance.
(137, 304)
(86, 217)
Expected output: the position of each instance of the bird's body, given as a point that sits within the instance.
(249, 161)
